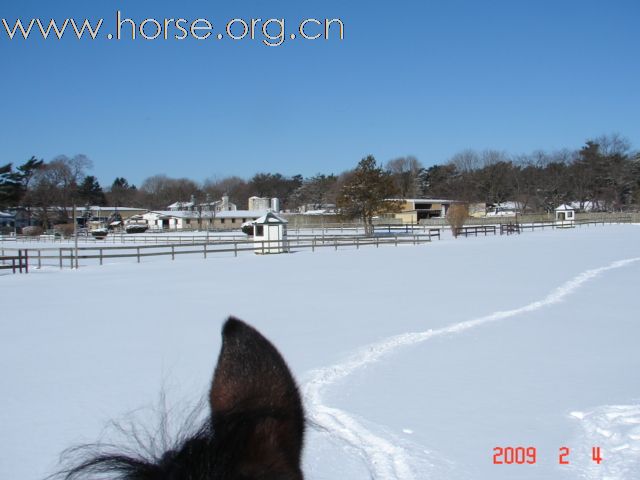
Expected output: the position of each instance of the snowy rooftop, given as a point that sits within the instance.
(414, 200)
(563, 207)
(207, 214)
(271, 217)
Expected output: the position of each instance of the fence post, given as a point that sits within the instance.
(39, 259)
(138, 252)
(173, 252)
(205, 250)
(396, 240)
(335, 242)
(357, 243)
(60, 254)
(70, 258)
(313, 244)
(19, 261)
(235, 249)
(100, 256)
(26, 261)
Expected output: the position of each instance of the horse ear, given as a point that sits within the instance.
(253, 385)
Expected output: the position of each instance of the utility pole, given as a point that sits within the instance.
(75, 236)
(208, 205)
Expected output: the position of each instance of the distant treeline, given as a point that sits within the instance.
(604, 173)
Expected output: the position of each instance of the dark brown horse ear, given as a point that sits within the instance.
(253, 383)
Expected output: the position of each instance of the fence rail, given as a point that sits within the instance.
(16, 263)
(476, 230)
(99, 251)
(68, 256)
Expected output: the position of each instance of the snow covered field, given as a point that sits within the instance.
(415, 361)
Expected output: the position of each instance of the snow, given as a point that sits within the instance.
(414, 361)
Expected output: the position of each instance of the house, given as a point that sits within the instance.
(412, 210)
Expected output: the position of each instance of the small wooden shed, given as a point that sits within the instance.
(270, 234)
(565, 216)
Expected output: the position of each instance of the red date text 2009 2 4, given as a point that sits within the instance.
(529, 455)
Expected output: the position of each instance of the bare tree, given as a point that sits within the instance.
(457, 216)
(161, 191)
(405, 171)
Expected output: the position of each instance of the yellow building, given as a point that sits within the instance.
(412, 210)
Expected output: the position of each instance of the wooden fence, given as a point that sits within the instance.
(163, 237)
(476, 230)
(69, 257)
(16, 263)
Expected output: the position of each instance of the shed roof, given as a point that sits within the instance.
(564, 207)
(271, 218)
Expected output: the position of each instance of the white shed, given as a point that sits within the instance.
(270, 234)
(565, 216)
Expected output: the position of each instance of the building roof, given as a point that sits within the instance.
(177, 205)
(564, 207)
(428, 200)
(81, 208)
(271, 218)
(207, 214)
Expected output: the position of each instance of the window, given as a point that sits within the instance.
(233, 220)
(259, 231)
(222, 220)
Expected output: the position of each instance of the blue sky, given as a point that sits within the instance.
(422, 77)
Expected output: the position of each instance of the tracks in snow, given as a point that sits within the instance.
(616, 430)
(386, 458)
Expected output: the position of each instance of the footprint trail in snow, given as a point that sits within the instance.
(385, 457)
(616, 430)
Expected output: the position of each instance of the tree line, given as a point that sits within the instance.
(604, 174)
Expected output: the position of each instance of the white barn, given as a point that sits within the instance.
(194, 220)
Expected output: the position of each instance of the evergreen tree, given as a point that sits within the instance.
(91, 192)
(367, 193)
(9, 185)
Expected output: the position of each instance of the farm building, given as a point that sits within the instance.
(412, 210)
(25, 217)
(102, 214)
(188, 220)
